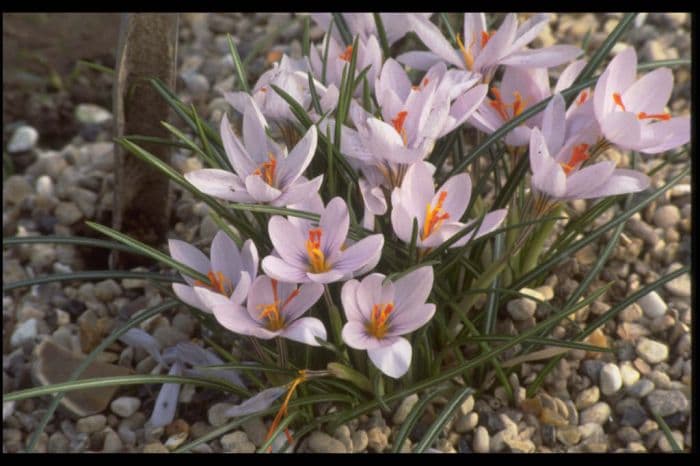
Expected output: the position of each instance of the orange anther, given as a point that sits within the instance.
(347, 54)
(656, 116)
(617, 98)
(434, 216)
(582, 97)
(578, 154)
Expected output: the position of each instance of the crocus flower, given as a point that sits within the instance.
(378, 314)
(290, 76)
(438, 214)
(230, 271)
(631, 112)
(396, 25)
(273, 309)
(561, 177)
(482, 51)
(177, 358)
(308, 253)
(368, 54)
(264, 172)
(520, 89)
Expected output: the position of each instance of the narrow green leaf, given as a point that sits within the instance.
(240, 69)
(342, 28)
(667, 433)
(381, 32)
(414, 416)
(305, 41)
(267, 445)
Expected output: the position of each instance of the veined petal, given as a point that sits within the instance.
(348, 297)
(542, 58)
(474, 25)
(240, 292)
(622, 128)
(355, 335)
(334, 224)
(650, 93)
(309, 293)
(418, 60)
(219, 183)
(435, 41)
(412, 289)
(554, 123)
(326, 277)
(288, 241)
(569, 75)
(254, 136)
(370, 291)
(402, 221)
(280, 270)
(260, 190)
(588, 179)
(186, 293)
(459, 192)
(291, 167)
(250, 258)
(394, 359)
(529, 30)
(299, 191)
(359, 254)
(236, 153)
(617, 77)
(232, 315)
(225, 257)
(547, 175)
(410, 319)
(464, 106)
(394, 78)
(189, 255)
(664, 135)
(498, 45)
(622, 181)
(305, 330)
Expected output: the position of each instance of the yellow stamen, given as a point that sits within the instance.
(347, 54)
(434, 217)
(398, 123)
(617, 98)
(466, 52)
(266, 170)
(518, 104)
(273, 311)
(578, 154)
(377, 324)
(283, 409)
(317, 260)
(656, 116)
(219, 283)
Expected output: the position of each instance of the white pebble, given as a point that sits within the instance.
(610, 379)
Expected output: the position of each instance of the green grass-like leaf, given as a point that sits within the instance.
(442, 419)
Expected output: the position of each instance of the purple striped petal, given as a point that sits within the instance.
(326, 277)
(410, 319)
(664, 135)
(554, 123)
(348, 297)
(588, 179)
(298, 191)
(292, 166)
(435, 41)
(225, 257)
(334, 224)
(236, 153)
(309, 294)
(250, 258)
(623, 129)
(542, 58)
(459, 191)
(166, 403)
(622, 181)
(650, 93)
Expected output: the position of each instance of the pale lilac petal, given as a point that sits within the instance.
(288, 241)
(412, 289)
(394, 78)
(359, 254)
(491, 221)
(279, 270)
(219, 183)
(305, 330)
(410, 319)
(617, 77)
(569, 75)
(334, 224)
(435, 41)
(355, 335)
(465, 105)
(309, 294)
(664, 135)
(257, 403)
(373, 197)
(291, 167)
(187, 254)
(348, 298)
(650, 93)
(622, 181)
(547, 175)
(370, 291)
(236, 153)
(261, 295)
(393, 360)
(384, 142)
(166, 403)
(298, 191)
(588, 179)
(238, 100)
(402, 221)
(254, 136)
(250, 258)
(474, 25)
(531, 83)
(260, 190)
(529, 30)
(232, 315)
(240, 291)
(225, 257)
(545, 58)
(417, 190)
(139, 338)
(459, 191)
(539, 153)
(186, 293)
(418, 60)
(325, 277)
(519, 136)
(622, 128)
(498, 45)
(554, 123)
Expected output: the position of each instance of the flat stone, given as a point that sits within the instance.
(237, 442)
(58, 443)
(23, 139)
(107, 290)
(665, 446)
(520, 446)
(91, 114)
(631, 412)
(569, 435)
(652, 305)
(679, 286)
(320, 442)
(465, 423)
(667, 402)
(90, 424)
(404, 409)
(524, 308)
(216, 415)
(652, 351)
(598, 414)
(667, 216)
(610, 379)
(481, 440)
(125, 406)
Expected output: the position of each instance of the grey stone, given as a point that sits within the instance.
(652, 351)
(125, 406)
(112, 442)
(107, 290)
(90, 424)
(58, 443)
(237, 442)
(169, 336)
(524, 308)
(679, 286)
(610, 379)
(667, 402)
(569, 435)
(598, 414)
(67, 213)
(15, 189)
(196, 83)
(631, 412)
(667, 216)
(91, 114)
(320, 442)
(23, 139)
(24, 332)
(481, 440)
(404, 408)
(628, 434)
(216, 415)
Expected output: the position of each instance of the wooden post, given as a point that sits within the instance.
(147, 49)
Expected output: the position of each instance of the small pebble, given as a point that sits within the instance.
(376, 439)
(465, 423)
(217, 414)
(155, 447)
(652, 305)
(523, 308)
(481, 440)
(598, 414)
(67, 213)
(112, 442)
(667, 402)
(360, 441)
(588, 397)
(125, 406)
(24, 332)
(404, 409)
(90, 424)
(237, 442)
(91, 114)
(665, 446)
(58, 443)
(629, 374)
(255, 430)
(679, 286)
(667, 216)
(23, 139)
(652, 351)
(320, 442)
(610, 379)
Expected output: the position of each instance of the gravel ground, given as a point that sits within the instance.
(587, 404)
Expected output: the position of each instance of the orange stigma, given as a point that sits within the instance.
(266, 170)
(485, 37)
(377, 324)
(434, 217)
(317, 260)
(501, 107)
(219, 283)
(283, 409)
(582, 97)
(617, 98)
(657, 116)
(273, 311)
(466, 52)
(398, 123)
(578, 154)
(347, 54)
